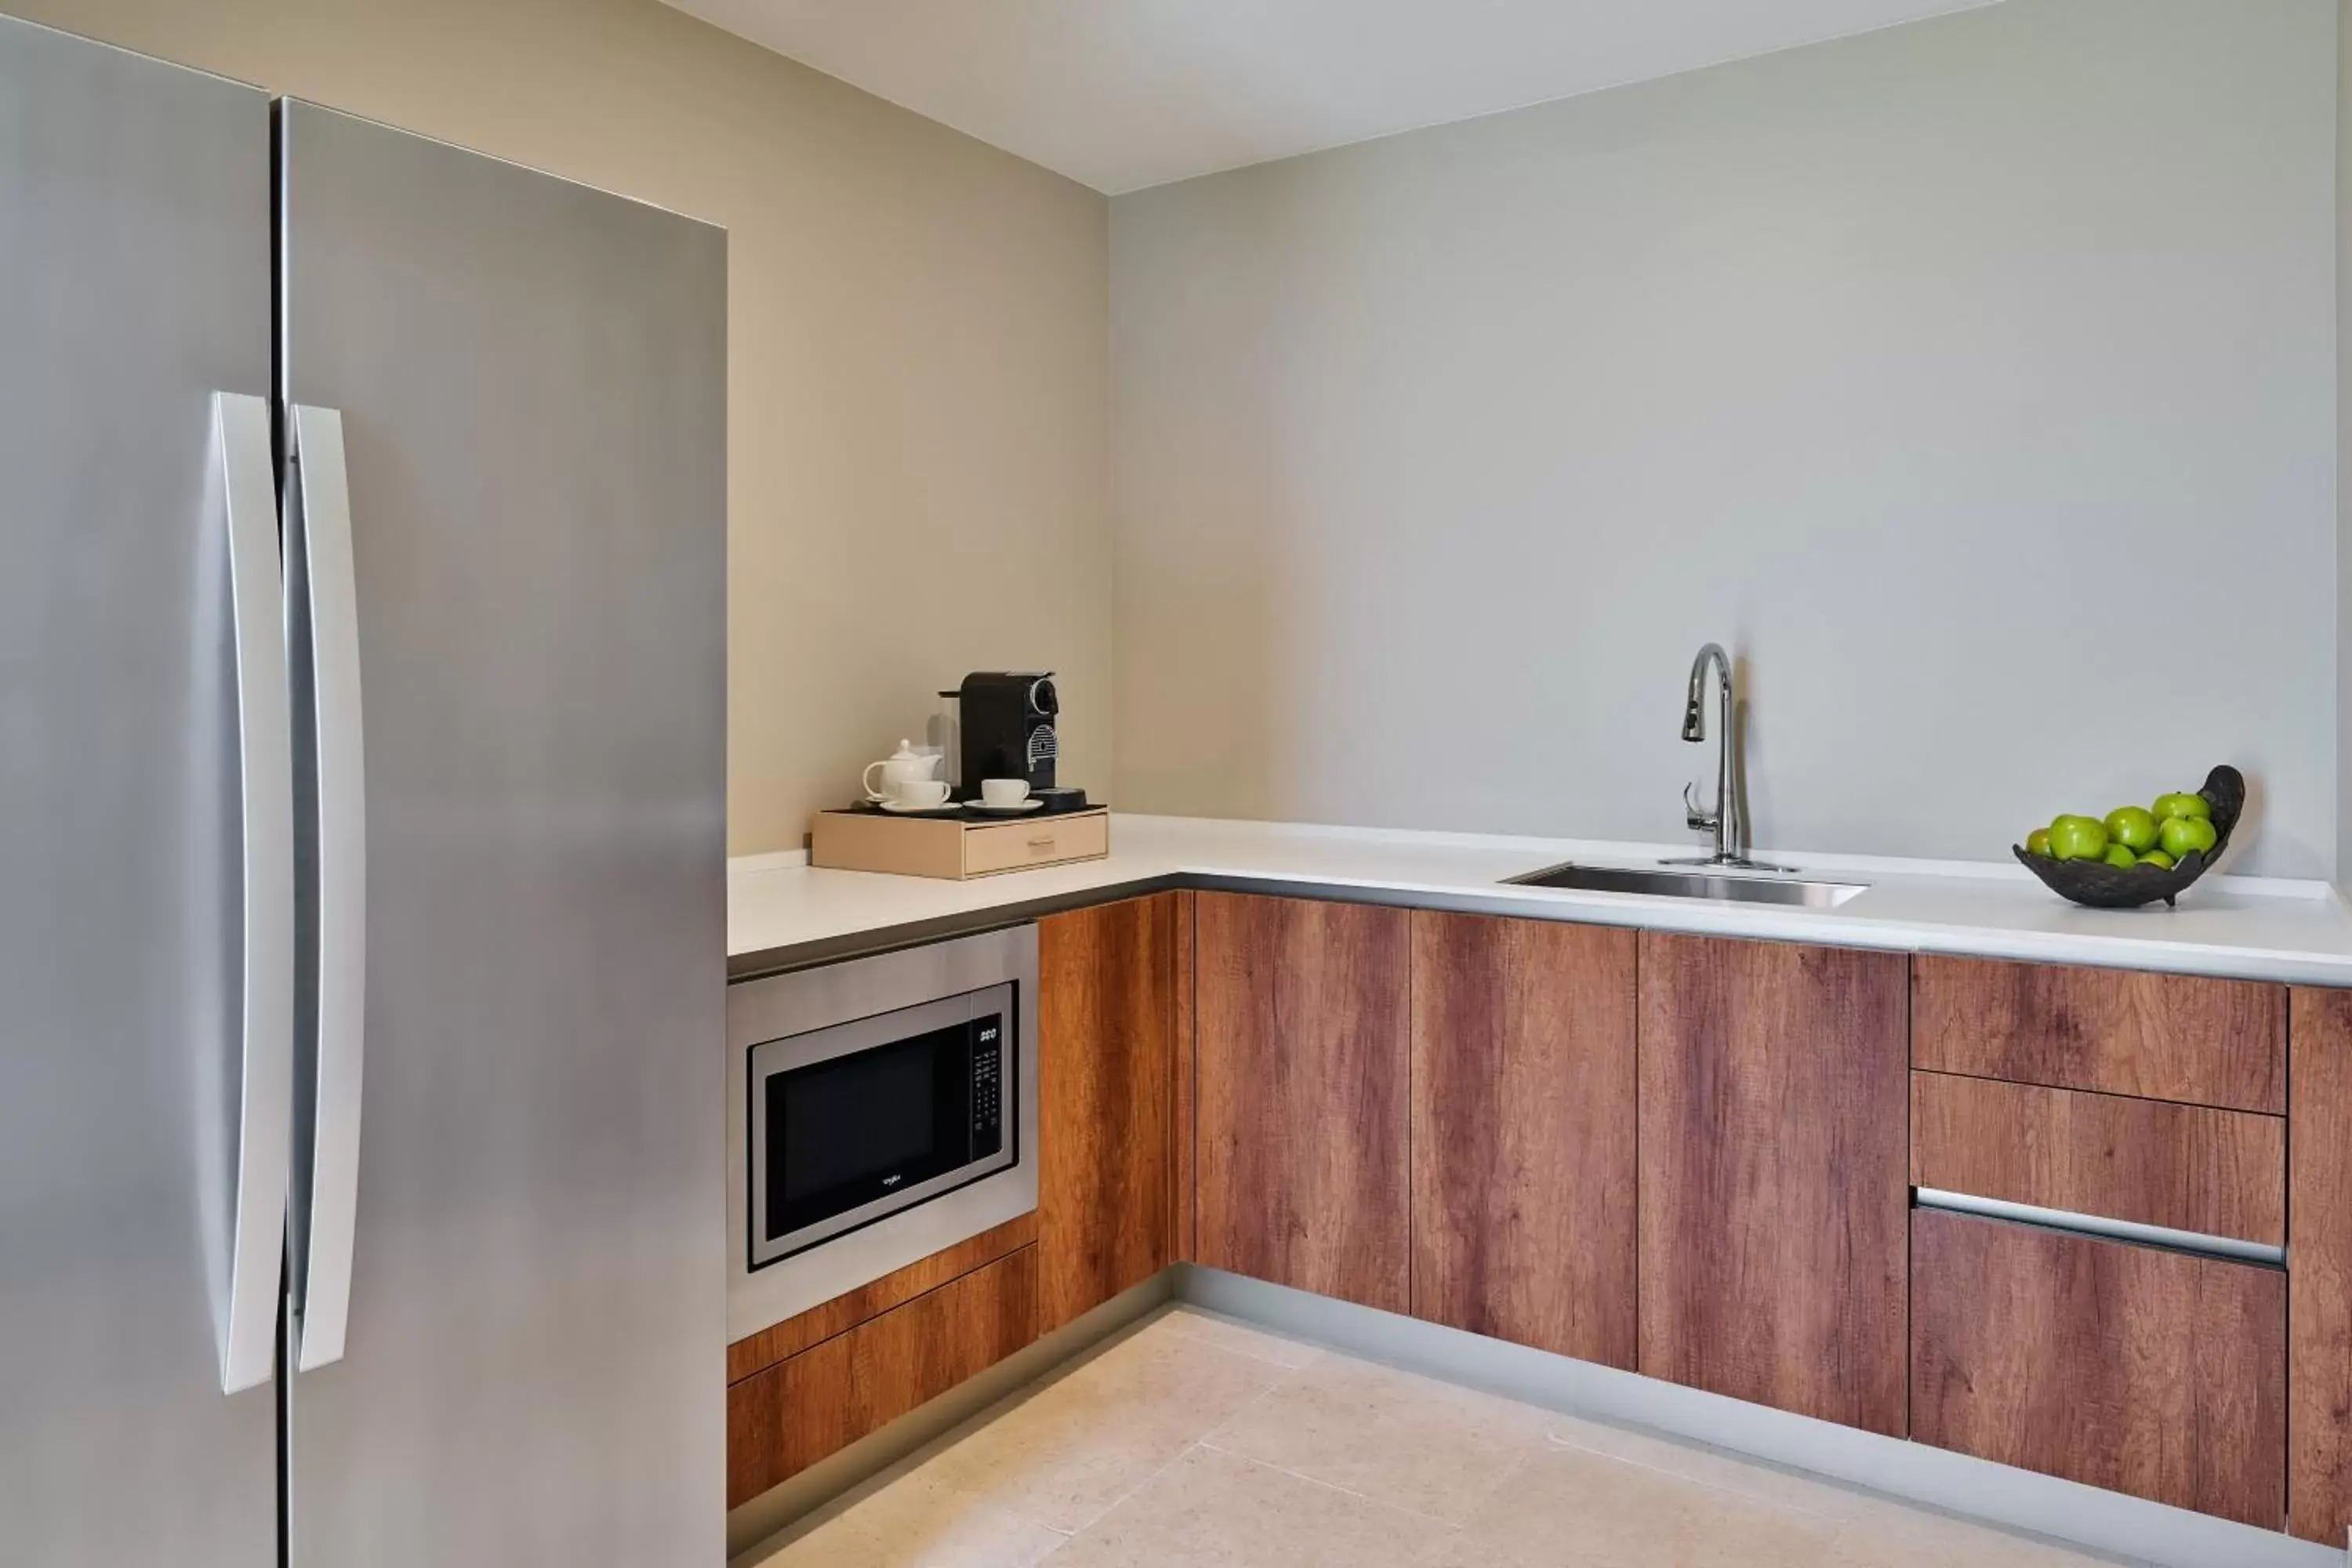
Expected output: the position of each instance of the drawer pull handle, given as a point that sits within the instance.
(2197, 1242)
(1044, 843)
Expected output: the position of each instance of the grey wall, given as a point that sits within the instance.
(2343, 446)
(1974, 379)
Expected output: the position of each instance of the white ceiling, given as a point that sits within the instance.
(1121, 94)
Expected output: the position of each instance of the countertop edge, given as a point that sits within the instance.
(783, 959)
(2117, 952)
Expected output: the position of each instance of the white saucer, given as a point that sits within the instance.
(902, 808)
(1003, 810)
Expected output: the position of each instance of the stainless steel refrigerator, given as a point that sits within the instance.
(361, 842)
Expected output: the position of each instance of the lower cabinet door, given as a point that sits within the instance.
(1773, 1193)
(2319, 1280)
(2143, 1371)
(1303, 1059)
(1523, 1169)
(1114, 982)
(784, 1419)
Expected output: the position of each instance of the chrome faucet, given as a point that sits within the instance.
(1728, 820)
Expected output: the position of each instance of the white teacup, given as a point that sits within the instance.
(920, 794)
(1004, 791)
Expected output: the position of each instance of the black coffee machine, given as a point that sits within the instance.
(1007, 720)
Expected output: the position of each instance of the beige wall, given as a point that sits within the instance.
(1972, 378)
(918, 339)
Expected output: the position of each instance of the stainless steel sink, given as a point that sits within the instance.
(1731, 887)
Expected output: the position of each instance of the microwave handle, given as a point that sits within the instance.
(248, 1328)
(323, 625)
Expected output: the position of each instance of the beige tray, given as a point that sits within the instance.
(946, 846)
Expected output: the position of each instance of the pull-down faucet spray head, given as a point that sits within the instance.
(1695, 705)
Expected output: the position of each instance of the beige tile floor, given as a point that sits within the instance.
(1198, 1443)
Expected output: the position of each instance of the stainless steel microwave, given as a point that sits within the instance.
(881, 1110)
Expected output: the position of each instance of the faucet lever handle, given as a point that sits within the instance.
(1695, 819)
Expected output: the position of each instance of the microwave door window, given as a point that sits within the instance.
(852, 1128)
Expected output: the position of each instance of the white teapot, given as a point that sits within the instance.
(903, 766)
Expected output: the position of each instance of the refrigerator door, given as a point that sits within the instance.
(145, 853)
(523, 383)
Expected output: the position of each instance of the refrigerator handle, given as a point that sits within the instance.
(318, 500)
(248, 1328)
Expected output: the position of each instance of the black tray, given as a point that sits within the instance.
(965, 811)
(2100, 886)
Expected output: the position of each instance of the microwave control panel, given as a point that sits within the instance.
(987, 1085)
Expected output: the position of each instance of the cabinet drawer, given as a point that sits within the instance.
(2184, 1167)
(793, 1335)
(2161, 1037)
(2158, 1373)
(1035, 841)
(784, 1419)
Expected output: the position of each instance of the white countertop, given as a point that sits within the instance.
(2244, 927)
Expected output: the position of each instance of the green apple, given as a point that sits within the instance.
(2133, 828)
(2182, 803)
(2038, 842)
(2187, 836)
(2157, 857)
(2121, 855)
(2078, 838)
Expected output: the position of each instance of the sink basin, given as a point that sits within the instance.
(1732, 887)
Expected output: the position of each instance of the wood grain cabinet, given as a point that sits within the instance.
(2141, 1370)
(2319, 1269)
(2184, 1167)
(1774, 1197)
(782, 1420)
(1683, 1155)
(793, 1335)
(1303, 1059)
(2160, 1037)
(1523, 1124)
(1115, 991)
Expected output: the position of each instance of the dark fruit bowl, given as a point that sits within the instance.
(2099, 886)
